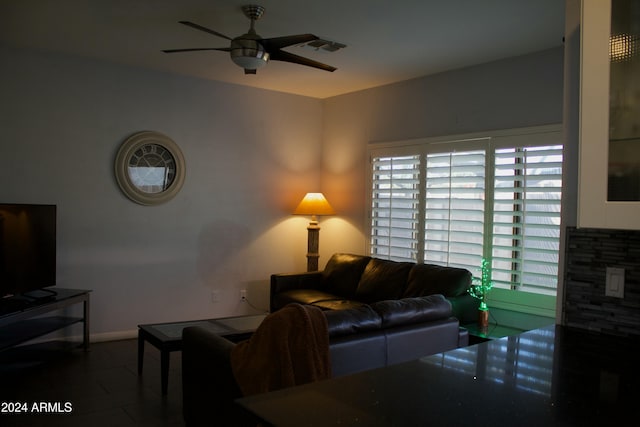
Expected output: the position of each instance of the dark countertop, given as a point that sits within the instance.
(548, 376)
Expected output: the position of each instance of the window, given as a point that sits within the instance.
(455, 201)
(454, 210)
(395, 205)
(526, 218)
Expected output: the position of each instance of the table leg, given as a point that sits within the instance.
(86, 315)
(140, 352)
(164, 365)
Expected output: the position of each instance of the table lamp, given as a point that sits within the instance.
(313, 204)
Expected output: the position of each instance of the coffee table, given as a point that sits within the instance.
(167, 337)
(491, 332)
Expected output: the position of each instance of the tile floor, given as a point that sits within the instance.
(101, 385)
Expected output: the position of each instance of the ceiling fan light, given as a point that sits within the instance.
(250, 60)
(248, 53)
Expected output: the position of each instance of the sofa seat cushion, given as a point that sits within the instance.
(342, 273)
(429, 279)
(338, 304)
(352, 321)
(303, 296)
(408, 311)
(382, 280)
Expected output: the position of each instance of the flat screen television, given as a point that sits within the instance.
(27, 248)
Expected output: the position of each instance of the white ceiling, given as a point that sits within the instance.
(387, 41)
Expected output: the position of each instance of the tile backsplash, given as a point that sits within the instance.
(588, 254)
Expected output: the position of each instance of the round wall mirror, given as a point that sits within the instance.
(150, 168)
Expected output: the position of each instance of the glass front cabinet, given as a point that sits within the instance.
(609, 159)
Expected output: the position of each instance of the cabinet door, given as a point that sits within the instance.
(597, 171)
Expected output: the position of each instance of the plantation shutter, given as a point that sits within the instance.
(394, 210)
(526, 218)
(454, 212)
(453, 201)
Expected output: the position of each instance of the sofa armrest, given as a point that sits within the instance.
(463, 337)
(465, 308)
(289, 281)
(208, 385)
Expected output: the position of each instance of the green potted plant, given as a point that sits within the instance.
(480, 287)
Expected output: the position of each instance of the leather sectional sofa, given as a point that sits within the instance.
(378, 313)
(350, 281)
(360, 338)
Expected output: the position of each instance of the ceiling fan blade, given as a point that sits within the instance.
(280, 55)
(276, 43)
(249, 71)
(205, 29)
(224, 49)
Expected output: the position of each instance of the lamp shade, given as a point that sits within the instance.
(314, 204)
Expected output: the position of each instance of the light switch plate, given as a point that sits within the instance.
(614, 285)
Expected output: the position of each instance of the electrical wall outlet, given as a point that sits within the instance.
(614, 284)
(243, 295)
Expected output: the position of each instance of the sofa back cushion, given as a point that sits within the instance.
(406, 311)
(352, 321)
(383, 279)
(342, 273)
(429, 279)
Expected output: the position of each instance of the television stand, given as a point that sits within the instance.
(27, 322)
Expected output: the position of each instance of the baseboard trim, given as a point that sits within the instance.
(93, 338)
(114, 336)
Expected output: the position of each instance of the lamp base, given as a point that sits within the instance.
(313, 242)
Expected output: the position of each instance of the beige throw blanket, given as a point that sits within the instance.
(290, 347)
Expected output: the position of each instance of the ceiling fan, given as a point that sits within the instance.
(250, 51)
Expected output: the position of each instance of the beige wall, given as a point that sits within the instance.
(251, 155)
